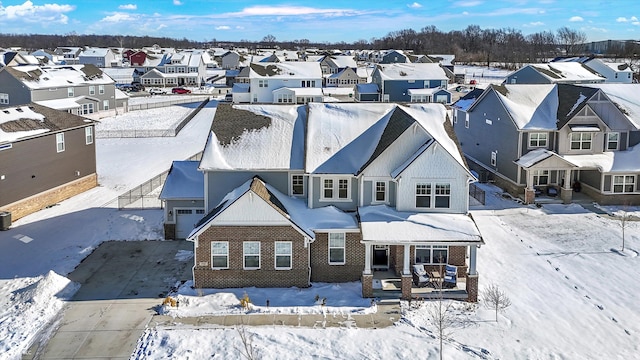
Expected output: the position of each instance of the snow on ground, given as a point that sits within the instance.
(40, 249)
(573, 290)
(150, 119)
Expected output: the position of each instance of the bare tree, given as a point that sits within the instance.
(572, 40)
(624, 216)
(269, 39)
(441, 315)
(248, 349)
(494, 298)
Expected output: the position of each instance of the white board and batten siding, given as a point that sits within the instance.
(250, 210)
(435, 165)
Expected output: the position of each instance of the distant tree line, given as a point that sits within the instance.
(471, 45)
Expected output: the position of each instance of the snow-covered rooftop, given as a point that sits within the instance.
(532, 107)
(184, 182)
(19, 113)
(384, 224)
(36, 77)
(558, 72)
(610, 161)
(625, 96)
(286, 70)
(417, 71)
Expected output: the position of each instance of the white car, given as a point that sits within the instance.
(157, 91)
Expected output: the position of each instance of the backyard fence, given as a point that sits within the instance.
(477, 193)
(182, 100)
(140, 198)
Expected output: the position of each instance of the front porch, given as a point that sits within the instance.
(388, 285)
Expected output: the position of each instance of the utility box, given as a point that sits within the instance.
(5, 220)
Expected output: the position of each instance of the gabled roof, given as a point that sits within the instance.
(367, 88)
(184, 182)
(531, 107)
(465, 102)
(538, 155)
(286, 70)
(571, 99)
(567, 72)
(95, 52)
(304, 219)
(24, 121)
(341, 61)
(625, 96)
(256, 137)
(43, 77)
(417, 71)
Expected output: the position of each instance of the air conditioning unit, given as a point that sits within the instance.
(5, 220)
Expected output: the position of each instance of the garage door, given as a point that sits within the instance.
(185, 221)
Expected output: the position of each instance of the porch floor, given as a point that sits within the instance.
(386, 285)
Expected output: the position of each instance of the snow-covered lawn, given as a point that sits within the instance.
(150, 119)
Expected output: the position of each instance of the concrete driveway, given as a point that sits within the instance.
(122, 283)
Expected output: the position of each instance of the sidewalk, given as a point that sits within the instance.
(388, 313)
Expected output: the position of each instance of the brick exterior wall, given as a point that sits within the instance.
(236, 276)
(407, 281)
(321, 271)
(39, 201)
(472, 288)
(169, 231)
(367, 285)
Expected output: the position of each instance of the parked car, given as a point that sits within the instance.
(157, 91)
(179, 90)
(228, 98)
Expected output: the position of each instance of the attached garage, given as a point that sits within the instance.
(186, 219)
(183, 199)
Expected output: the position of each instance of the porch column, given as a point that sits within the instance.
(367, 259)
(406, 261)
(529, 192)
(566, 193)
(473, 249)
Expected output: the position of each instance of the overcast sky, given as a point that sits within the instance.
(318, 21)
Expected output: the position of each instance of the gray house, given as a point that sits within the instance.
(46, 156)
(394, 57)
(555, 140)
(333, 193)
(395, 80)
(99, 57)
(555, 73)
(78, 89)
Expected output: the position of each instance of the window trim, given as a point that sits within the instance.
(447, 195)
(494, 158)
(374, 188)
(88, 135)
(291, 179)
(335, 189)
(343, 247)
(427, 192)
(538, 140)
(538, 174)
(70, 92)
(60, 142)
(226, 243)
(581, 141)
(4, 98)
(101, 89)
(244, 255)
(92, 90)
(623, 184)
(608, 141)
(431, 257)
(275, 255)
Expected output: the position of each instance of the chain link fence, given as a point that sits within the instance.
(158, 104)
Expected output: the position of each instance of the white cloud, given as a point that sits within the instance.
(223, 27)
(177, 2)
(31, 13)
(415, 5)
(118, 17)
(262, 10)
(534, 24)
(128, 7)
(576, 19)
(622, 19)
(468, 3)
(239, 27)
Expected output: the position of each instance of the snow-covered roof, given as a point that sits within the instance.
(535, 156)
(367, 88)
(286, 70)
(256, 137)
(295, 210)
(18, 122)
(240, 88)
(62, 104)
(558, 72)
(383, 224)
(307, 91)
(532, 107)
(417, 71)
(342, 61)
(427, 91)
(43, 77)
(610, 161)
(625, 96)
(447, 59)
(94, 52)
(183, 182)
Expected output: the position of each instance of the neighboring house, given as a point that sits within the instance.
(302, 80)
(340, 71)
(614, 72)
(555, 73)
(79, 89)
(120, 75)
(394, 57)
(556, 139)
(183, 199)
(99, 57)
(446, 60)
(46, 156)
(367, 92)
(230, 60)
(69, 54)
(48, 57)
(395, 80)
(334, 64)
(295, 194)
(176, 69)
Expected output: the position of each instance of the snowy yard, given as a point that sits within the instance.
(573, 291)
(151, 119)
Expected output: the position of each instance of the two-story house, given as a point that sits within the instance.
(177, 69)
(69, 54)
(561, 137)
(46, 156)
(99, 57)
(412, 82)
(285, 82)
(332, 193)
(78, 89)
(555, 73)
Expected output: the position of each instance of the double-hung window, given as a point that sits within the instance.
(624, 183)
(443, 195)
(612, 140)
(538, 139)
(423, 195)
(431, 254)
(337, 248)
(380, 191)
(297, 184)
(581, 141)
(263, 83)
(283, 255)
(336, 189)
(220, 254)
(70, 92)
(60, 142)
(88, 135)
(100, 89)
(4, 98)
(251, 254)
(92, 90)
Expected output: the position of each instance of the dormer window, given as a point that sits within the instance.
(613, 138)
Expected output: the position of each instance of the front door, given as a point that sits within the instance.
(380, 257)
